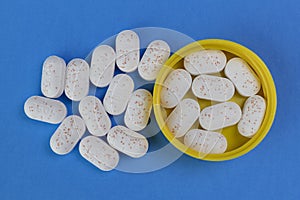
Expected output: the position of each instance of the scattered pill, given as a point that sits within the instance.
(220, 116)
(53, 77)
(127, 141)
(153, 59)
(175, 87)
(213, 88)
(205, 62)
(94, 115)
(118, 94)
(138, 110)
(99, 153)
(128, 51)
(253, 115)
(182, 118)
(205, 142)
(239, 72)
(45, 110)
(102, 65)
(67, 135)
(77, 79)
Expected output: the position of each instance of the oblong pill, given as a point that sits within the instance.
(213, 88)
(220, 116)
(253, 115)
(153, 59)
(175, 87)
(127, 141)
(45, 110)
(206, 142)
(138, 110)
(97, 152)
(67, 135)
(118, 94)
(183, 117)
(127, 50)
(102, 65)
(77, 79)
(245, 80)
(94, 115)
(205, 62)
(53, 77)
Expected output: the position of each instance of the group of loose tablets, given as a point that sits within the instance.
(74, 80)
(202, 74)
(104, 143)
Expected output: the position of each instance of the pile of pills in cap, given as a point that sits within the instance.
(74, 80)
(202, 74)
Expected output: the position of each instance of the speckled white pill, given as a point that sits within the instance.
(253, 115)
(127, 141)
(153, 59)
(118, 94)
(53, 77)
(205, 62)
(220, 116)
(213, 88)
(45, 110)
(77, 79)
(97, 152)
(94, 115)
(138, 110)
(67, 135)
(175, 87)
(102, 65)
(206, 142)
(245, 80)
(128, 50)
(182, 118)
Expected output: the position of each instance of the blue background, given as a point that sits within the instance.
(32, 30)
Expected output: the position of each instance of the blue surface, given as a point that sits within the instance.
(32, 30)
